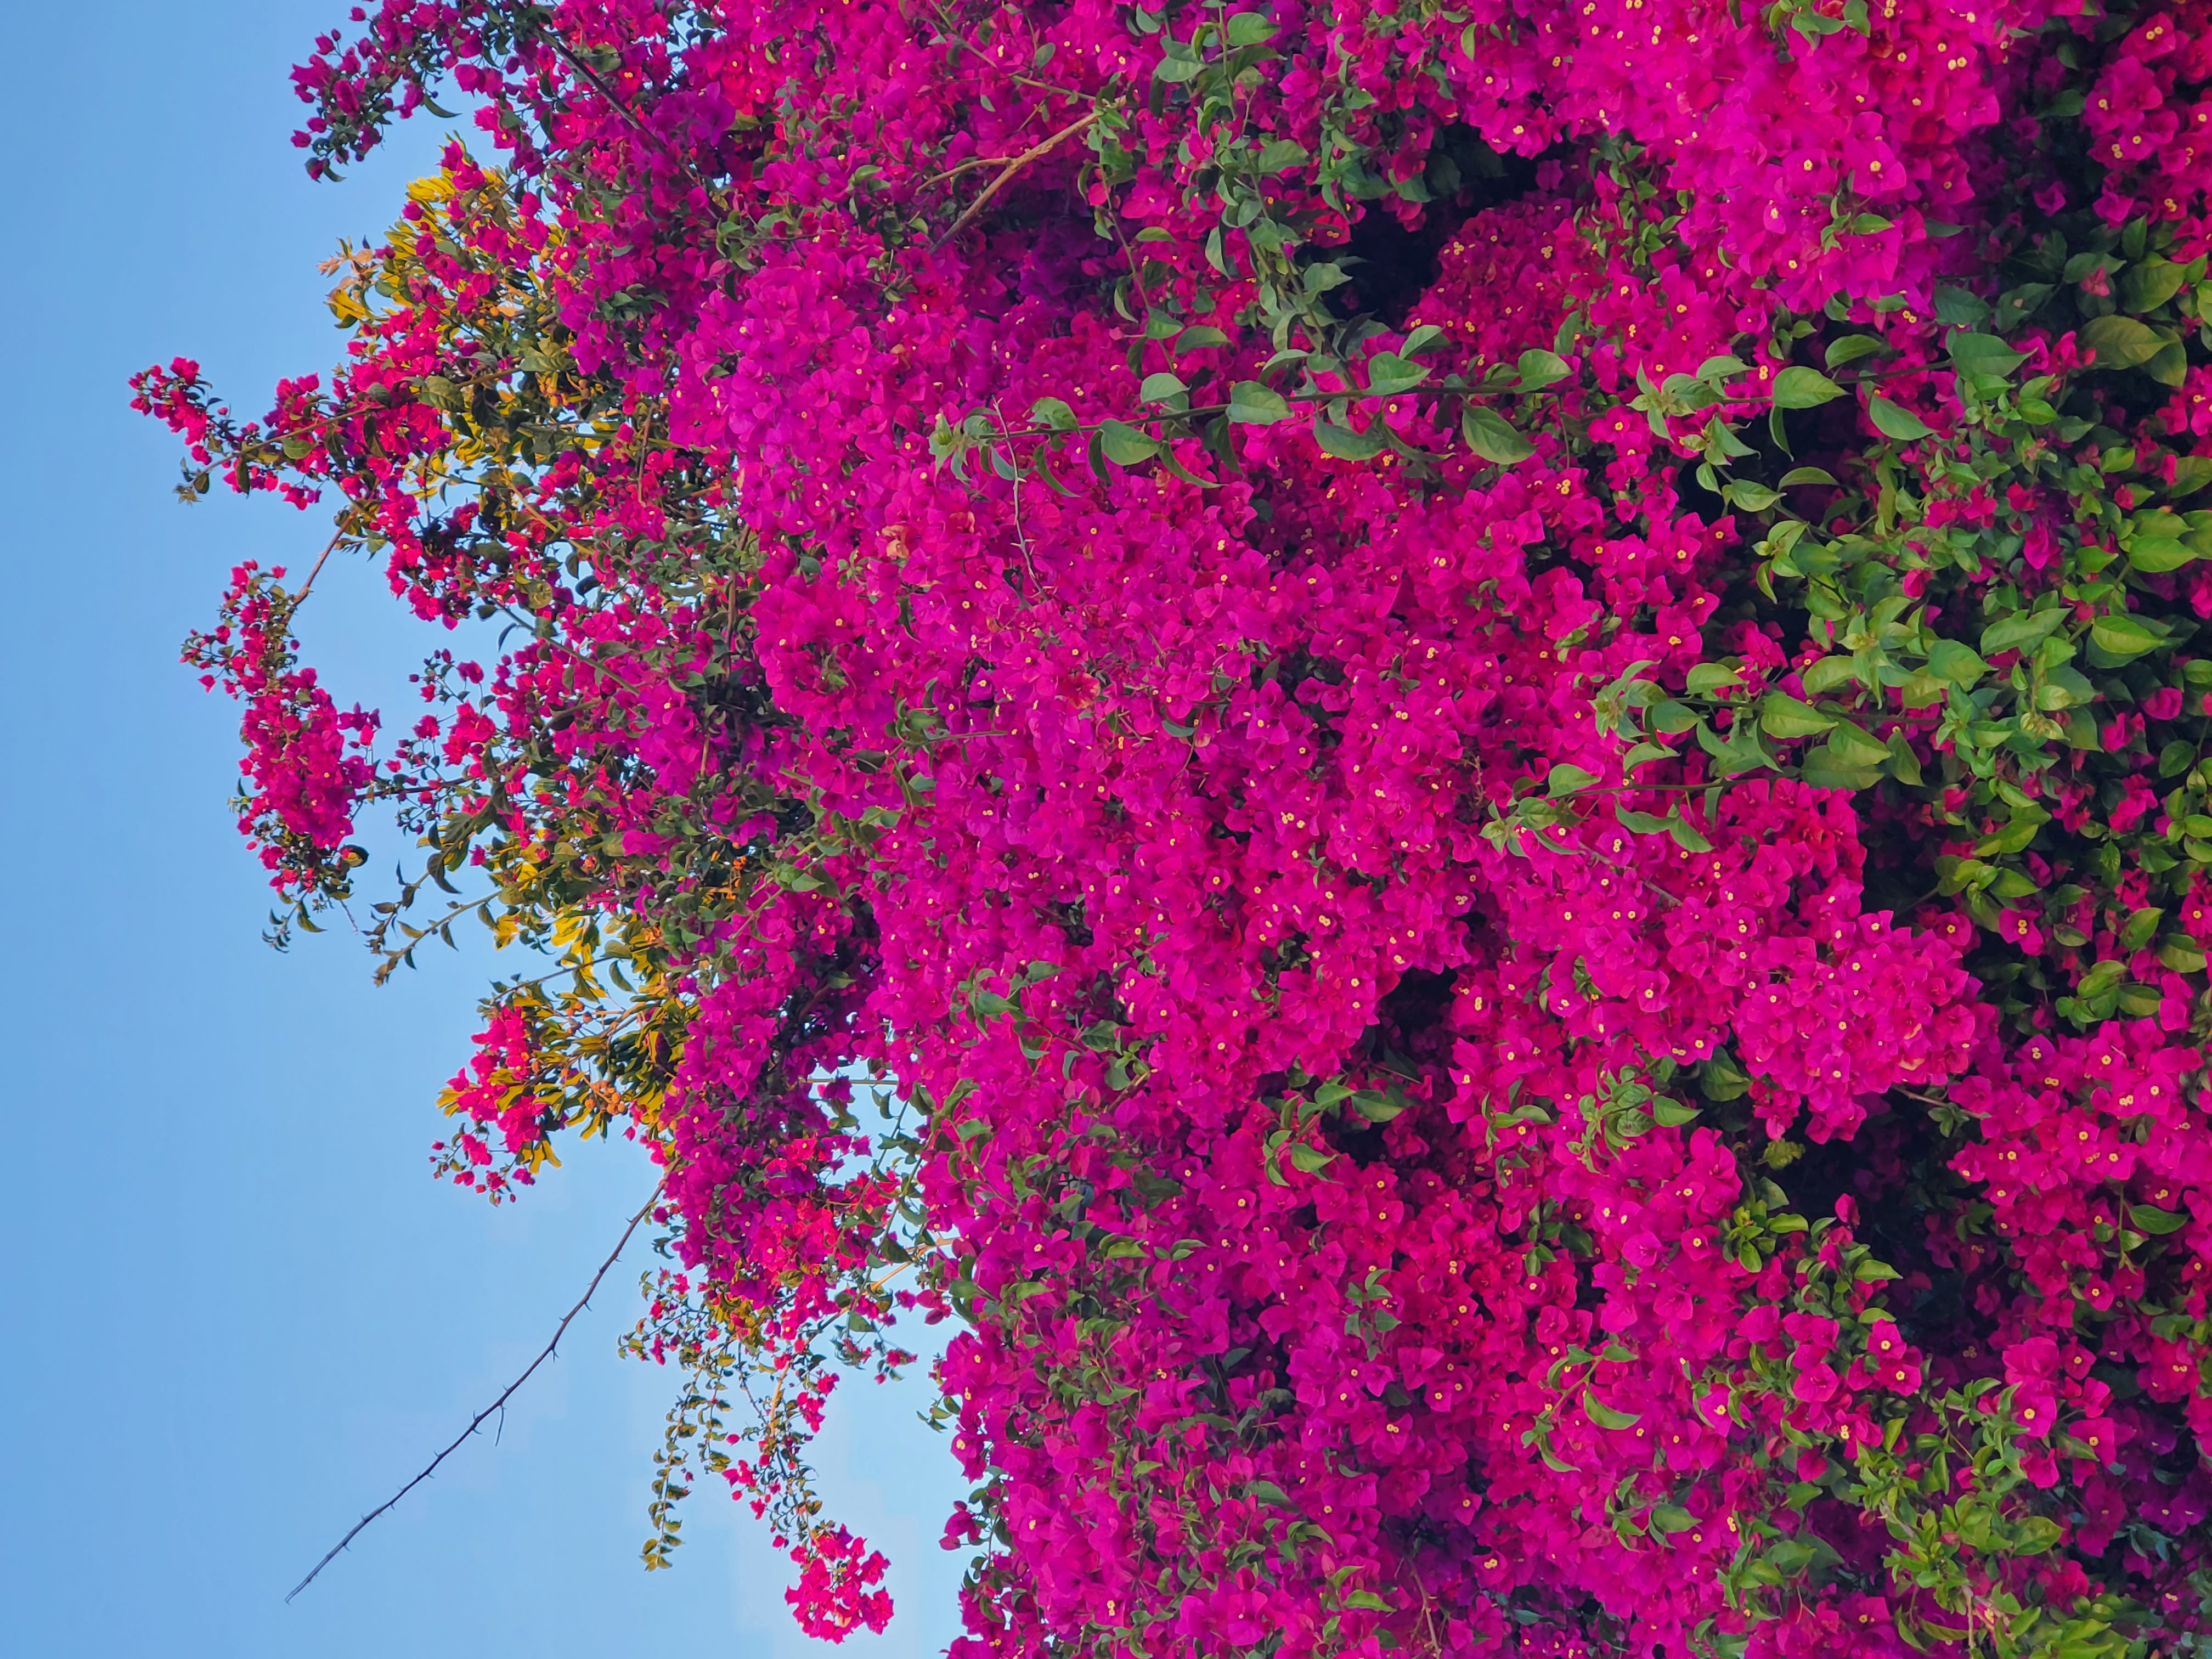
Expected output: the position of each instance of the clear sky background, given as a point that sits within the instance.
(235, 1310)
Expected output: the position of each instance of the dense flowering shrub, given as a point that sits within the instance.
(1485, 726)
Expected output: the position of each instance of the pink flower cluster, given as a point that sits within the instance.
(306, 765)
(1424, 1152)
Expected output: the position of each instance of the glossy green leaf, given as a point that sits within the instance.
(1604, 1416)
(1125, 446)
(1541, 368)
(1388, 373)
(1895, 421)
(1799, 387)
(1489, 436)
(1781, 715)
(2121, 636)
(1851, 348)
(1567, 779)
(2019, 630)
(2149, 283)
(2120, 342)
(1957, 662)
(1984, 354)
(1251, 404)
(1345, 443)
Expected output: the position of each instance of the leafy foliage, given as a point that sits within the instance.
(1484, 728)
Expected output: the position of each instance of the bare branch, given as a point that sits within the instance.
(498, 1406)
(1006, 177)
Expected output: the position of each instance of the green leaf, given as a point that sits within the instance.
(1956, 661)
(1198, 337)
(1714, 370)
(1376, 1107)
(2101, 978)
(2121, 637)
(1541, 368)
(1310, 1158)
(2149, 283)
(1388, 374)
(1895, 421)
(2014, 837)
(2019, 630)
(1159, 388)
(2191, 474)
(1781, 715)
(1828, 768)
(1125, 446)
(1604, 1416)
(1827, 674)
(1566, 779)
(1721, 1078)
(1686, 836)
(1904, 764)
(1346, 444)
(1250, 28)
(1960, 308)
(1851, 349)
(1178, 69)
(1740, 752)
(1672, 1517)
(2182, 955)
(1319, 278)
(1708, 677)
(1489, 436)
(2120, 342)
(1251, 404)
(2145, 1218)
(1807, 475)
(2155, 554)
(1799, 387)
(1855, 747)
(2139, 927)
(1984, 354)
(1054, 413)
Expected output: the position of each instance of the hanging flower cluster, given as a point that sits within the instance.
(1484, 728)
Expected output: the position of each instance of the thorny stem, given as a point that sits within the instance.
(498, 1405)
(1007, 175)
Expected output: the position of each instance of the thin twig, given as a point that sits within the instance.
(1005, 177)
(298, 598)
(1021, 539)
(597, 83)
(498, 1405)
(1925, 1100)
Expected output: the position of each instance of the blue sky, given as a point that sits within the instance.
(235, 1311)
